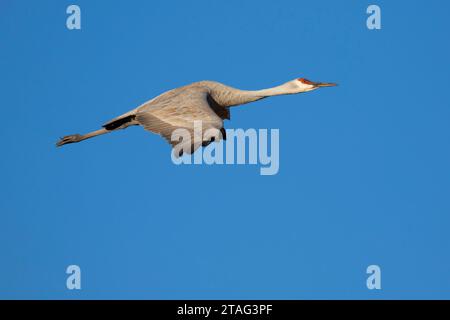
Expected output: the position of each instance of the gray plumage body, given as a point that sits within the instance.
(205, 101)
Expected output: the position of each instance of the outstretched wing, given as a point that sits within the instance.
(184, 108)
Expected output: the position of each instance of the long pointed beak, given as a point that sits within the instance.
(325, 84)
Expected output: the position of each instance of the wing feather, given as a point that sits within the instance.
(180, 109)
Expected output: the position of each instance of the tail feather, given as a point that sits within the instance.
(120, 122)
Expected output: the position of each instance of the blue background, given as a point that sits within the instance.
(364, 168)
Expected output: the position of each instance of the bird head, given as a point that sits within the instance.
(304, 85)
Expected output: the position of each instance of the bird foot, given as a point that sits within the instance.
(69, 139)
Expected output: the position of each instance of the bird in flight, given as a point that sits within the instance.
(207, 102)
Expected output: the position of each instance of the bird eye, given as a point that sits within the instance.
(305, 81)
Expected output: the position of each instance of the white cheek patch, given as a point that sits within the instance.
(305, 86)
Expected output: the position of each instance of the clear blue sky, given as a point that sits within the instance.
(364, 168)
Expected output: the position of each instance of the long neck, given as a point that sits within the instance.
(228, 97)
